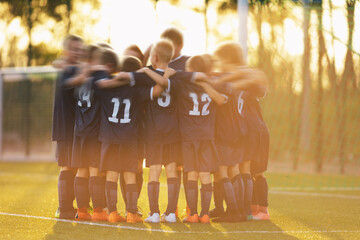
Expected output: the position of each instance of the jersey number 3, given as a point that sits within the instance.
(126, 118)
(204, 98)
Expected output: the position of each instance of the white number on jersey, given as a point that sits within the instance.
(84, 97)
(240, 102)
(204, 98)
(164, 100)
(116, 108)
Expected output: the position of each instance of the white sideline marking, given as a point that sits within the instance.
(315, 194)
(169, 231)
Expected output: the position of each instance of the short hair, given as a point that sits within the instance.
(91, 49)
(164, 49)
(70, 38)
(230, 52)
(174, 35)
(109, 56)
(104, 45)
(135, 48)
(199, 63)
(130, 64)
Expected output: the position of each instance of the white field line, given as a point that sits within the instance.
(169, 231)
(314, 194)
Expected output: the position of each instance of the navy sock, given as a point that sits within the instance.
(153, 194)
(111, 195)
(262, 189)
(173, 195)
(82, 194)
(139, 182)
(97, 191)
(206, 193)
(255, 199)
(66, 191)
(229, 195)
(123, 187)
(238, 186)
(192, 196)
(132, 197)
(248, 190)
(218, 196)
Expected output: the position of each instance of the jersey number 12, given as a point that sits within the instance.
(204, 98)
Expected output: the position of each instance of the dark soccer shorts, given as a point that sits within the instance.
(119, 157)
(257, 151)
(63, 153)
(229, 155)
(200, 156)
(86, 152)
(163, 154)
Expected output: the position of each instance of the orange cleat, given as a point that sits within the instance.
(263, 214)
(133, 218)
(191, 219)
(115, 217)
(82, 215)
(99, 215)
(205, 219)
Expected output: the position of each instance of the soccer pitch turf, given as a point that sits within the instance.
(301, 207)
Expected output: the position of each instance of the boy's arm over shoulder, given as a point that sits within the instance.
(214, 95)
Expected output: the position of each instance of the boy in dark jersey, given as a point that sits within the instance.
(120, 119)
(86, 146)
(162, 136)
(63, 125)
(230, 128)
(255, 83)
(178, 60)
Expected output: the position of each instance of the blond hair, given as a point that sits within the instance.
(164, 49)
(199, 63)
(230, 53)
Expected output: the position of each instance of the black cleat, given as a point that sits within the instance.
(216, 212)
(230, 217)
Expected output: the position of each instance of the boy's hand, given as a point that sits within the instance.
(169, 72)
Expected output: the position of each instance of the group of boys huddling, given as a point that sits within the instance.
(197, 116)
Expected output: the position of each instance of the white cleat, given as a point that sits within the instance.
(154, 218)
(171, 218)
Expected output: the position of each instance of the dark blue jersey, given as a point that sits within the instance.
(196, 112)
(254, 119)
(64, 107)
(231, 125)
(179, 63)
(87, 114)
(121, 113)
(161, 120)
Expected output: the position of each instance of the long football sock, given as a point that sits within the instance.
(82, 194)
(229, 194)
(218, 196)
(238, 186)
(261, 187)
(192, 196)
(206, 193)
(111, 195)
(97, 191)
(132, 196)
(248, 187)
(255, 198)
(153, 194)
(66, 191)
(173, 195)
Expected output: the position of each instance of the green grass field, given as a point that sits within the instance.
(301, 207)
